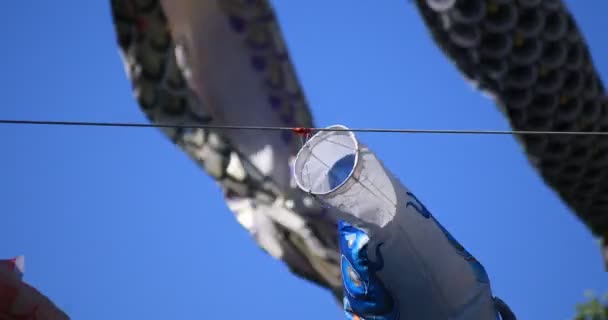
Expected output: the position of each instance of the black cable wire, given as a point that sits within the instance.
(265, 128)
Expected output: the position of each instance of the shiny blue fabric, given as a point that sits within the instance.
(365, 297)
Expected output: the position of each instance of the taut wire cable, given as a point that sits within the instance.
(298, 130)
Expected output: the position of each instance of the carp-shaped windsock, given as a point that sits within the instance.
(405, 265)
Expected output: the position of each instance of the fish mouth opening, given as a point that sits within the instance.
(327, 161)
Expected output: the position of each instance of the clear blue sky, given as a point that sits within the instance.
(117, 223)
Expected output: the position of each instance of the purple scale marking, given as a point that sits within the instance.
(258, 63)
(275, 102)
(237, 24)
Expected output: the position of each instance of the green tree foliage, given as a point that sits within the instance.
(594, 309)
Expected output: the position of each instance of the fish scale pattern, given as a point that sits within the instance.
(530, 56)
(159, 86)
